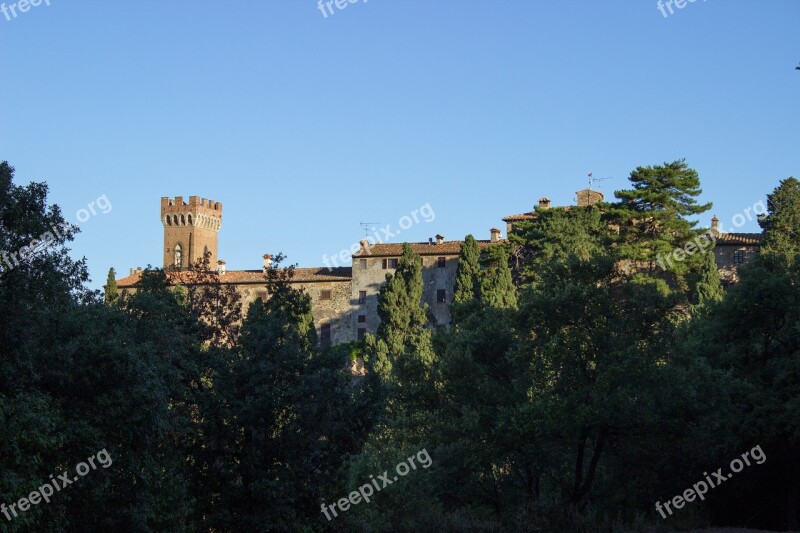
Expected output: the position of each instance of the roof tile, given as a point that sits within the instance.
(255, 276)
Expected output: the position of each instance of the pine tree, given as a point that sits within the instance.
(653, 215)
(110, 291)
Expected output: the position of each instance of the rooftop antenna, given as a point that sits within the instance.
(367, 227)
(593, 180)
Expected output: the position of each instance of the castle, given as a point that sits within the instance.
(344, 300)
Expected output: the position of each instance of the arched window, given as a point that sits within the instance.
(178, 262)
(190, 220)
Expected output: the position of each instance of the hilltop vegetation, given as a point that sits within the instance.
(579, 384)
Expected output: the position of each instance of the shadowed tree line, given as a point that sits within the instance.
(578, 384)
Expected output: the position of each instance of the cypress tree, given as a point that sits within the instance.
(468, 273)
(709, 286)
(110, 291)
(497, 287)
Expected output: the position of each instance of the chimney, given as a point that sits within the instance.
(430, 241)
(138, 270)
(544, 202)
(221, 267)
(365, 245)
(439, 239)
(715, 225)
(133, 271)
(267, 261)
(495, 235)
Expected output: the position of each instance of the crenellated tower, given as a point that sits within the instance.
(190, 230)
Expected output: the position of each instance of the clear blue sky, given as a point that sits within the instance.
(304, 126)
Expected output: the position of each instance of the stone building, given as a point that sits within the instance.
(733, 250)
(344, 300)
(371, 263)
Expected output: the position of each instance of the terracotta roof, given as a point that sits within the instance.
(521, 216)
(421, 248)
(738, 238)
(256, 276)
(532, 215)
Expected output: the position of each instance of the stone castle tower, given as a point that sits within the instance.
(190, 230)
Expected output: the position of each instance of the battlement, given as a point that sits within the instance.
(199, 212)
(196, 205)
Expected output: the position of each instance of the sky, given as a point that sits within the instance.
(305, 124)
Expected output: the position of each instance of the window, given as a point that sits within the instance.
(389, 263)
(325, 333)
(362, 263)
(325, 295)
(362, 297)
(178, 256)
(738, 257)
(441, 296)
(361, 333)
(442, 262)
(362, 319)
(262, 295)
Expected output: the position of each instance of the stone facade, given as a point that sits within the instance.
(731, 251)
(344, 300)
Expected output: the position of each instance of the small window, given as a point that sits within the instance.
(325, 295)
(178, 258)
(262, 295)
(362, 263)
(325, 333)
(362, 297)
(392, 263)
(738, 257)
(442, 262)
(361, 333)
(362, 319)
(441, 296)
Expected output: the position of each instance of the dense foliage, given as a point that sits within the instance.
(577, 385)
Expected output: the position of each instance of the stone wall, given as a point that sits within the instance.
(724, 255)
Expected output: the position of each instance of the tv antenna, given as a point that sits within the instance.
(593, 180)
(367, 226)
